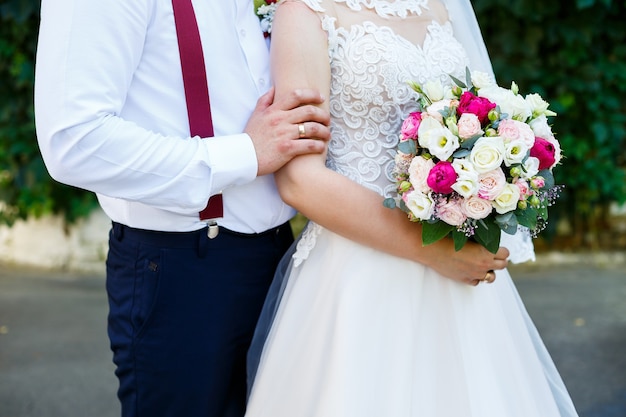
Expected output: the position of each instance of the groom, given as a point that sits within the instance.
(111, 118)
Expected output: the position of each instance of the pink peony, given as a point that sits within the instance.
(544, 151)
(410, 126)
(442, 177)
(480, 106)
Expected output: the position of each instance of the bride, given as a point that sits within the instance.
(363, 320)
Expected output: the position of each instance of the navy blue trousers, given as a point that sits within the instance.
(182, 312)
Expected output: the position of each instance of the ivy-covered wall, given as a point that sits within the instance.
(572, 53)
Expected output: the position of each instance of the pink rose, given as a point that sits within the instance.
(451, 211)
(410, 126)
(476, 208)
(491, 184)
(512, 130)
(545, 152)
(480, 106)
(468, 125)
(442, 177)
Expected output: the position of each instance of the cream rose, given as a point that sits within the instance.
(435, 108)
(487, 154)
(418, 172)
(477, 208)
(507, 200)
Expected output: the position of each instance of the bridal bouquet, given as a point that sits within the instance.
(476, 159)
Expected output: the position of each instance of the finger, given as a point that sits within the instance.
(265, 100)
(306, 146)
(502, 253)
(313, 130)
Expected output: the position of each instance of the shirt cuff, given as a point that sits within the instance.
(232, 161)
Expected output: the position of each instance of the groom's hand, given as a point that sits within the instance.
(291, 126)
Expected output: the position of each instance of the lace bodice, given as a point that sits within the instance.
(370, 67)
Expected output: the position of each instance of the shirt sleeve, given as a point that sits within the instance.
(95, 135)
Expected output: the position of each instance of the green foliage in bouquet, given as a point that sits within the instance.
(25, 186)
(574, 55)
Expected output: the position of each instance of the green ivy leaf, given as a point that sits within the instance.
(488, 235)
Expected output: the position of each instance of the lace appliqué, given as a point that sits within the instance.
(384, 8)
(306, 243)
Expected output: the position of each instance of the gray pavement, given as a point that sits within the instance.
(55, 360)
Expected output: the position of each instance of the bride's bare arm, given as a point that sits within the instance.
(300, 60)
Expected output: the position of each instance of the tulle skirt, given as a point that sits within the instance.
(359, 333)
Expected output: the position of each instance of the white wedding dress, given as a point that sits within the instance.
(358, 333)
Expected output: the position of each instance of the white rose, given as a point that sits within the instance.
(487, 154)
(482, 79)
(468, 125)
(513, 105)
(420, 204)
(434, 90)
(515, 152)
(530, 168)
(507, 200)
(477, 208)
(418, 172)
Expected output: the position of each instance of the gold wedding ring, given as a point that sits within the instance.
(301, 130)
(490, 277)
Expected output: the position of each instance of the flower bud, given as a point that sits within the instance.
(537, 183)
(534, 201)
(522, 205)
(493, 115)
(516, 171)
(491, 132)
(457, 91)
(404, 186)
(514, 88)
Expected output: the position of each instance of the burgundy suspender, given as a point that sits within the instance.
(196, 88)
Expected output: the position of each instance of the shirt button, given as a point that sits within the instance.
(261, 81)
(242, 32)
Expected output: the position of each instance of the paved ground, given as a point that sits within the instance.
(55, 361)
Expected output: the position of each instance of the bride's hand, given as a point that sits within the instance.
(471, 265)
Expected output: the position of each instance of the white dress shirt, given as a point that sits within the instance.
(111, 114)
